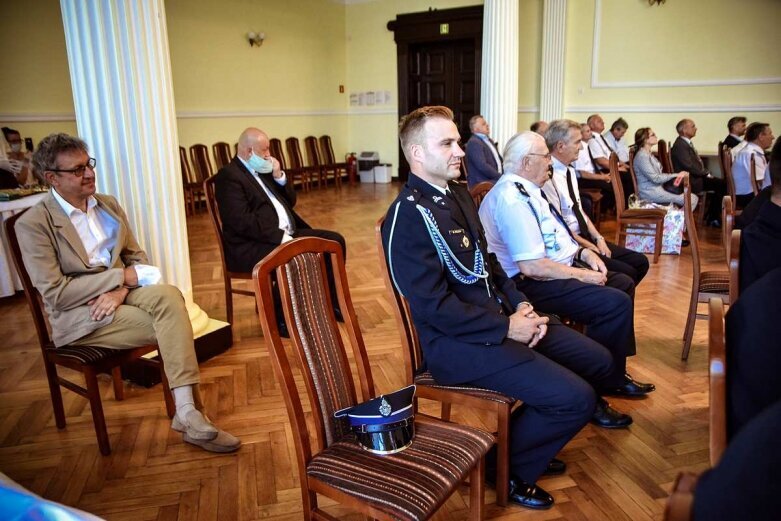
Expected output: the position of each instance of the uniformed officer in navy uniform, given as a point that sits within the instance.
(475, 327)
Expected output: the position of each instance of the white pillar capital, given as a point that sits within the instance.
(554, 44)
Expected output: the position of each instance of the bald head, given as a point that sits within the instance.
(252, 139)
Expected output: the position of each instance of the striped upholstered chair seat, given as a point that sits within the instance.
(484, 394)
(410, 484)
(714, 282)
(84, 354)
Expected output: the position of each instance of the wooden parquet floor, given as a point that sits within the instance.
(153, 475)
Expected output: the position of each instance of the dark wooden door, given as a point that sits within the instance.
(445, 73)
(439, 67)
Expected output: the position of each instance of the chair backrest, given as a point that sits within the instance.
(413, 354)
(214, 213)
(479, 191)
(222, 153)
(312, 152)
(688, 215)
(734, 266)
(327, 150)
(632, 170)
(187, 173)
(725, 160)
(199, 155)
(275, 147)
(615, 180)
(294, 153)
(664, 157)
(727, 223)
(300, 270)
(34, 300)
(753, 176)
(718, 380)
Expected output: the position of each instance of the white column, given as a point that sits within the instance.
(499, 76)
(123, 95)
(554, 43)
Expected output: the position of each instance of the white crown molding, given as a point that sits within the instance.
(37, 118)
(528, 110)
(216, 114)
(597, 84)
(689, 108)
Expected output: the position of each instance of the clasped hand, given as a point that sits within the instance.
(107, 303)
(526, 326)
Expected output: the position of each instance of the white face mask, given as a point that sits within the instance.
(16, 147)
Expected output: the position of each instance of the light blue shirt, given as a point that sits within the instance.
(512, 228)
(741, 169)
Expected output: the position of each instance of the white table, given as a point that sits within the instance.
(9, 280)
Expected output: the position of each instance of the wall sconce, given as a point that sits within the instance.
(657, 2)
(255, 38)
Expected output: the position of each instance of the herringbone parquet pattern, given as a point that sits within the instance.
(617, 475)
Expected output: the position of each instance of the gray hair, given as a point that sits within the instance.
(45, 156)
(473, 121)
(558, 131)
(517, 148)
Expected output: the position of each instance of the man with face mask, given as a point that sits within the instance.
(14, 166)
(256, 206)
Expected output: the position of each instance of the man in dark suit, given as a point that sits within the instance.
(256, 206)
(475, 328)
(685, 157)
(737, 128)
(483, 161)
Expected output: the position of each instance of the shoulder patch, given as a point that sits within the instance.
(410, 195)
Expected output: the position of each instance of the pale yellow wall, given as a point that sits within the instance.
(638, 43)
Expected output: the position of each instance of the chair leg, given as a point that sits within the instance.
(228, 300)
(55, 392)
(618, 231)
(658, 241)
(446, 411)
(93, 393)
(170, 406)
(691, 319)
(116, 379)
(477, 490)
(503, 456)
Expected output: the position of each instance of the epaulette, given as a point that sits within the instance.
(410, 195)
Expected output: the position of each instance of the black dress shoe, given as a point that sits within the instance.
(685, 243)
(338, 315)
(555, 467)
(630, 388)
(283, 332)
(529, 496)
(608, 418)
(716, 223)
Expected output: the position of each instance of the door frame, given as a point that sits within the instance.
(410, 29)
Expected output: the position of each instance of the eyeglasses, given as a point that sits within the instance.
(546, 156)
(79, 170)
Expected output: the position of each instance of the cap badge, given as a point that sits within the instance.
(385, 408)
(465, 242)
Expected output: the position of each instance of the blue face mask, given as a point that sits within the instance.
(259, 164)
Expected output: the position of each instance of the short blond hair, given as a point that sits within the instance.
(411, 126)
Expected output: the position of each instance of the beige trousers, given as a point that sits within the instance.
(153, 314)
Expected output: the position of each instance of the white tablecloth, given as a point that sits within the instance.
(9, 280)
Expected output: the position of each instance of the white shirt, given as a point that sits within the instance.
(598, 146)
(583, 163)
(619, 147)
(284, 220)
(557, 192)
(513, 231)
(741, 169)
(98, 231)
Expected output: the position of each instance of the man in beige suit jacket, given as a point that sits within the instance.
(97, 286)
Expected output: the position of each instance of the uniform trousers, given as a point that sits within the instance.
(149, 315)
(556, 387)
(606, 311)
(623, 260)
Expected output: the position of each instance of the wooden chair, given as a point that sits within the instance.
(734, 266)
(192, 190)
(628, 217)
(297, 161)
(222, 153)
(479, 191)
(717, 369)
(705, 284)
(327, 150)
(199, 155)
(214, 213)
(725, 160)
(664, 156)
(410, 484)
(753, 176)
(632, 171)
(595, 194)
(89, 361)
(427, 388)
(316, 162)
(296, 175)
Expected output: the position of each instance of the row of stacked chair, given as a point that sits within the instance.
(321, 165)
